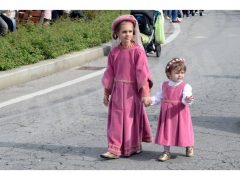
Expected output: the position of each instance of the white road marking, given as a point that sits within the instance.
(200, 37)
(51, 89)
(74, 81)
(174, 35)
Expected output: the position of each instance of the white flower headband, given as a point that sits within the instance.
(173, 61)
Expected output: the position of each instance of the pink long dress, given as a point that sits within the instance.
(175, 123)
(128, 124)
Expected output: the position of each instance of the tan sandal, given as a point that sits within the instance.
(189, 152)
(109, 155)
(164, 156)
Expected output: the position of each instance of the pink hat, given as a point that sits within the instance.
(123, 18)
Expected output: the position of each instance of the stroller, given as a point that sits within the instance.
(147, 26)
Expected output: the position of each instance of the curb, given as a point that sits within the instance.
(48, 67)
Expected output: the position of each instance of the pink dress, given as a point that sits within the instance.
(175, 123)
(128, 124)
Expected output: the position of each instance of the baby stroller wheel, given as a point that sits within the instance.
(158, 50)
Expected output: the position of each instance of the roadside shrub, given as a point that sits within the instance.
(33, 43)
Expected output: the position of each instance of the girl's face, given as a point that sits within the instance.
(125, 33)
(177, 76)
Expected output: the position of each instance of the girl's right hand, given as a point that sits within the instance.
(106, 100)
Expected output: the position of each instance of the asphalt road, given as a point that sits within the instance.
(66, 128)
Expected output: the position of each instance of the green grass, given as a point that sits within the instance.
(33, 43)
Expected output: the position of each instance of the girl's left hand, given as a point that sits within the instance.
(189, 99)
(147, 101)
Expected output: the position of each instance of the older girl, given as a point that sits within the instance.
(127, 82)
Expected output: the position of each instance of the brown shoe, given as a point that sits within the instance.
(164, 156)
(189, 152)
(109, 155)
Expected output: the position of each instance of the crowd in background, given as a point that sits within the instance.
(10, 18)
(175, 16)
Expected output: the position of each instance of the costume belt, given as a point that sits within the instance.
(170, 101)
(124, 81)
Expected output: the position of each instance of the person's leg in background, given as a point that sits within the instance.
(180, 14)
(11, 22)
(55, 15)
(174, 16)
(185, 13)
(47, 17)
(167, 14)
(201, 12)
(192, 12)
(3, 26)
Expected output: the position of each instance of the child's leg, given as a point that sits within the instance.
(166, 148)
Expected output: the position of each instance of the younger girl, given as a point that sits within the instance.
(127, 82)
(175, 124)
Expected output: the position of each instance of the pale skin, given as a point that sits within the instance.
(125, 33)
(106, 100)
(176, 77)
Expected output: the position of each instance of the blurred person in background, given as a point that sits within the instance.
(7, 21)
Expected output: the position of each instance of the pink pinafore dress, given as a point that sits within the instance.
(175, 123)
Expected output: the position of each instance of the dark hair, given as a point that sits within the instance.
(176, 64)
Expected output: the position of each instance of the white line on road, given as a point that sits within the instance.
(177, 30)
(51, 89)
(75, 81)
(200, 37)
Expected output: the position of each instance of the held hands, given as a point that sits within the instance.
(106, 100)
(146, 100)
(189, 99)
(106, 97)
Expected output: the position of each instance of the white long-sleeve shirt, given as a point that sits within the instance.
(187, 91)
